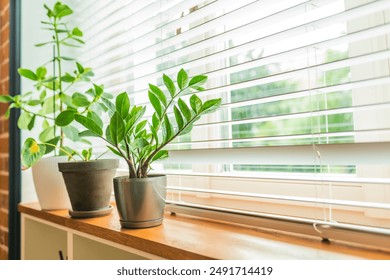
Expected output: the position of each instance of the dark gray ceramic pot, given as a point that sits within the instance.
(89, 186)
(140, 201)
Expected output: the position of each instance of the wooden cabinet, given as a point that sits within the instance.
(43, 240)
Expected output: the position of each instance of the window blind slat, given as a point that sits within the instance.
(350, 38)
(303, 127)
(356, 153)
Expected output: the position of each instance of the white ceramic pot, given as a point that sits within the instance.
(49, 184)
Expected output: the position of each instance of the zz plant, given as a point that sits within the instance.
(141, 141)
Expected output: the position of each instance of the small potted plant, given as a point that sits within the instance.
(88, 181)
(140, 197)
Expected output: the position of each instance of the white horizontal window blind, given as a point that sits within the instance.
(303, 135)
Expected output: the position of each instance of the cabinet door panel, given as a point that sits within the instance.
(43, 242)
(86, 249)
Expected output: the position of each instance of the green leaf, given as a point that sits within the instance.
(80, 68)
(89, 124)
(87, 74)
(34, 102)
(159, 93)
(7, 113)
(95, 117)
(68, 151)
(141, 143)
(48, 105)
(46, 22)
(57, 30)
(196, 103)
(156, 104)
(51, 79)
(154, 133)
(168, 130)
(211, 105)
(45, 124)
(169, 85)
(6, 99)
(31, 152)
(68, 78)
(27, 74)
(50, 148)
(198, 88)
(70, 45)
(80, 100)
(65, 117)
(26, 94)
(31, 124)
(178, 117)
(47, 134)
(182, 79)
(87, 133)
(122, 103)
(117, 128)
(77, 40)
(71, 133)
(197, 80)
(41, 73)
(98, 90)
(49, 11)
(138, 112)
(67, 58)
(135, 115)
(185, 110)
(60, 10)
(85, 154)
(43, 44)
(85, 141)
(24, 120)
(187, 129)
(155, 120)
(108, 134)
(67, 100)
(141, 125)
(108, 104)
(108, 95)
(114, 151)
(77, 32)
(42, 96)
(160, 155)
(91, 92)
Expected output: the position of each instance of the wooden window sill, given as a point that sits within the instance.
(185, 237)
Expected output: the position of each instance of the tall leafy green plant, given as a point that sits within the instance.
(142, 141)
(52, 98)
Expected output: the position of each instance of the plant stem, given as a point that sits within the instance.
(129, 161)
(61, 149)
(147, 162)
(68, 87)
(166, 110)
(101, 155)
(36, 114)
(57, 43)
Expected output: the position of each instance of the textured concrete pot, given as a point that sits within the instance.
(140, 201)
(89, 186)
(49, 185)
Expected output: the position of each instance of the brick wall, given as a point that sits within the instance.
(4, 82)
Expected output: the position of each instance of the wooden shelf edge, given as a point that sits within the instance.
(184, 238)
